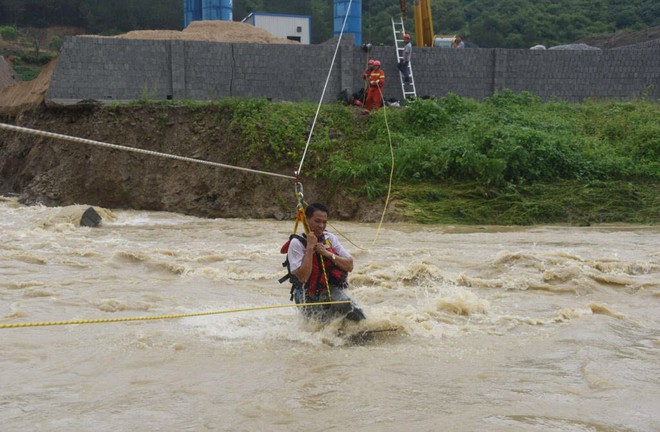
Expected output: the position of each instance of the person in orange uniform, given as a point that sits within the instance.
(365, 80)
(376, 81)
(367, 71)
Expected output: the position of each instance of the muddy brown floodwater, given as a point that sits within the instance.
(544, 328)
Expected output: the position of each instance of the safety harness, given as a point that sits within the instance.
(325, 272)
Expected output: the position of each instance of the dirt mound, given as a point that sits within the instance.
(26, 95)
(7, 75)
(619, 39)
(213, 31)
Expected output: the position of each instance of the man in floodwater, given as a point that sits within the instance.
(318, 263)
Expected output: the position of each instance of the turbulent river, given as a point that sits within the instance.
(544, 328)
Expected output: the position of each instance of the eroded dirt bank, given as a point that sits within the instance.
(55, 172)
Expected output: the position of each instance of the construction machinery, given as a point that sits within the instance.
(424, 35)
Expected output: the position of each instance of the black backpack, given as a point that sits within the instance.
(295, 283)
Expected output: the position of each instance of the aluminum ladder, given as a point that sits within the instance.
(407, 88)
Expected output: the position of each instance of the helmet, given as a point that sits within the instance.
(406, 37)
(376, 62)
(371, 62)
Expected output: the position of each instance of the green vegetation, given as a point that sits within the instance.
(28, 66)
(26, 72)
(55, 43)
(509, 160)
(26, 53)
(8, 33)
(521, 24)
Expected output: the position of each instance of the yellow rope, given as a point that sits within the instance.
(325, 275)
(334, 228)
(301, 205)
(389, 188)
(160, 317)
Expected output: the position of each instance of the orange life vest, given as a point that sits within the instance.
(317, 280)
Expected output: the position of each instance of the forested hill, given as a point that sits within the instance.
(486, 23)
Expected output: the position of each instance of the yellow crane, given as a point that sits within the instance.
(424, 35)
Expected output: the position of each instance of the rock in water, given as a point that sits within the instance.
(90, 218)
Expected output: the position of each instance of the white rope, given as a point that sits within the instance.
(133, 149)
(327, 79)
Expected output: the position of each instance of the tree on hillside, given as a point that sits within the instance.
(322, 27)
(94, 15)
(522, 23)
(376, 21)
(119, 16)
(449, 17)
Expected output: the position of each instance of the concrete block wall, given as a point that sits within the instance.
(437, 72)
(108, 69)
(112, 69)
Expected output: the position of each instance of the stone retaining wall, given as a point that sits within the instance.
(110, 69)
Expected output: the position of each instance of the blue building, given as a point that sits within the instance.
(354, 20)
(204, 10)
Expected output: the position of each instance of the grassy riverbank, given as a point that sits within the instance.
(511, 159)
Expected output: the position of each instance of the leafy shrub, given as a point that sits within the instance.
(456, 105)
(508, 99)
(278, 132)
(8, 33)
(529, 155)
(426, 114)
(507, 140)
(26, 73)
(55, 43)
(35, 59)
